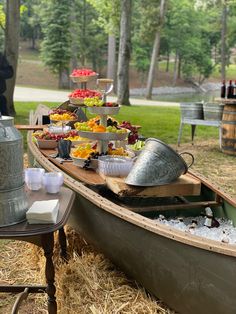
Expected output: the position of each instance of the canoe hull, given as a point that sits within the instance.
(190, 275)
(187, 278)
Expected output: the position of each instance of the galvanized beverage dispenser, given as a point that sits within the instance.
(13, 203)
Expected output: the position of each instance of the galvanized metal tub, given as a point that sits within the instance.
(213, 111)
(192, 110)
(157, 164)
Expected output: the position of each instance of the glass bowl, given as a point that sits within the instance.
(114, 166)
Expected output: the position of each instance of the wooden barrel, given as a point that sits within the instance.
(192, 110)
(228, 129)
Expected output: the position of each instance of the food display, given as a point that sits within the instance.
(137, 147)
(91, 126)
(78, 95)
(91, 139)
(62, 115)
(85, 151)
(83, 72)
(133, 134)
(46, 135)
(83, 75)
(97, 102)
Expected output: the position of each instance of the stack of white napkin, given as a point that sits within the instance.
(43, 212)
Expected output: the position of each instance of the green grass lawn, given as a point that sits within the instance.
(159, 122)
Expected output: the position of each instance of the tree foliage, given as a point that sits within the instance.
(55, 49)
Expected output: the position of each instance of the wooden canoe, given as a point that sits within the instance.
(189, 273)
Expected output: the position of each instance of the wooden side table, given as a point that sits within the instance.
(41, 235)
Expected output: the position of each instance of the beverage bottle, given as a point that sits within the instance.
(230, 90)
(223, 90)
(234, 89)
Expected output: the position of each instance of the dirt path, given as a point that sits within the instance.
(218, 167)
(36, 94)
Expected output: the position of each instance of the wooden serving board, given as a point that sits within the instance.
(87, 176)
(185, 185)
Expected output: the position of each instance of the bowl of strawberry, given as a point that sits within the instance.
(83, 75)
(49, 140)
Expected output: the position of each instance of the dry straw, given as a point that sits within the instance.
(88, 284)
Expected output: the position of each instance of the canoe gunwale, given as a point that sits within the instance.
(134, 218)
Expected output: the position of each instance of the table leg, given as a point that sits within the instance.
(193, 128)
(63, 245)
(48, 245)
(180, 133)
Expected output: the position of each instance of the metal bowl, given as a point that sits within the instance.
(157, 164)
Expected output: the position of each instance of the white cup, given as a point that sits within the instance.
(53, 181)
(34, 178)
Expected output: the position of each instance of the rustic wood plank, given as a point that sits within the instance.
(184, 185)
(30, 127)
(187, 206)
(87, 176)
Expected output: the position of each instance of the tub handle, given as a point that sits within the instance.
(4, 129)
(192, 161)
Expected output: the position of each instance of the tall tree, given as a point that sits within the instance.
(108, 19)
(223, 39)
(124, 53)
(30, 27)
(12, 33)
(56, 45)
(155, 51)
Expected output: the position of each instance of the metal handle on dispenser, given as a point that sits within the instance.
(4, 129)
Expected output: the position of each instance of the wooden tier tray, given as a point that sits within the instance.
(185, 185)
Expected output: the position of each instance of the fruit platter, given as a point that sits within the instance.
(82, 75)
(48, 140)
(98, 106)
(136, 148)
(78, 95)
(62, 115)
(86, 155)
(95, 131)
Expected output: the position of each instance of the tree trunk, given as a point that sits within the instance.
(167, 61)
(111, 63)
(74, 43)
(179, 69)
(175, 69)
(124, 54)
(155, 52)
(223, 40)
(12, 33)
(63, 79)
